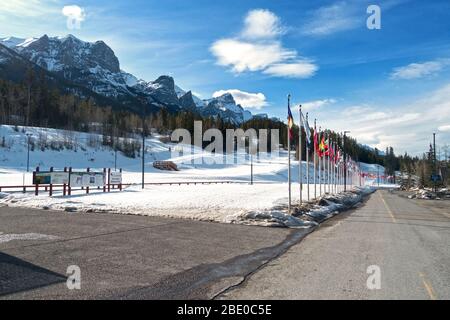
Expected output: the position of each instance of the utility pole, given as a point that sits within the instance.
(115, 159)
(28, 152)
(251, 169)
(345, 161)
(143, 145)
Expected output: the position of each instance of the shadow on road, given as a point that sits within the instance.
(17, 275)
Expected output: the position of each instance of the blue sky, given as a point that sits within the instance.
(389, 86)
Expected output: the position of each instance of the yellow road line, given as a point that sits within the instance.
(428, 287)
(388, 209)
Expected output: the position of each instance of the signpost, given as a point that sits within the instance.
(50, 177)
(76, 179)
(115, 177)
(87, 179)
(436, 178)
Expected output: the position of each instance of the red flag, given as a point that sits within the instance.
(316, 142)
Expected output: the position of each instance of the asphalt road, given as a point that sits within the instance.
(409, 240)
(137, 257)
(127, 256)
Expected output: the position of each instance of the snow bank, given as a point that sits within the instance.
(263, 204)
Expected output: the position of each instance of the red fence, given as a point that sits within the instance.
(67, 189)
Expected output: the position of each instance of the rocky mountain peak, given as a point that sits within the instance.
(187, 101)
(93, 65)
(166, 81)
(226, 98)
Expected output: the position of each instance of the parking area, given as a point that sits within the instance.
(118, 255)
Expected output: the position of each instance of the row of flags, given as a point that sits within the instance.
(321, 142)
(327, 153)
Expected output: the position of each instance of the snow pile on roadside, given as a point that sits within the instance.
(330, 205)
(310, 215)
(429, 194)
(213, 202)
(262, 204)
(270, 219)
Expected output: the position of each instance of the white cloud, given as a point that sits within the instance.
(246, 56)
(312, 105)
(331, 19)
(27, 8)
(418, 70)
(406, 127)
(258, 50)
(444, 128)
(245, 99)
(299, 69)
(74, 12)
(260, 24)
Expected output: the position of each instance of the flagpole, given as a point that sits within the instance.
(315, 159)
(327, 168)
(339, 176)
(307, 160)
(289, 157)
(338, 170)
(300, 153)
(329, 165)
(320, 169)
(334, 169)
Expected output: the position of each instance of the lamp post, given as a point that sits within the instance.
(252, 142)
(345, 161)
(28, 152)
(143, 144)
(115, 159)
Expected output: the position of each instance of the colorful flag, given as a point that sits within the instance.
(323, 146)
(290, 121)
(330, 152)
(305, 124)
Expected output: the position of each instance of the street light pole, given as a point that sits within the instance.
(28, 152)
(115, 158)
(143, 145)
(251, 169)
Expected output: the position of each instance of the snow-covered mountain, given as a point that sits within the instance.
(225, 107)
(93, 65)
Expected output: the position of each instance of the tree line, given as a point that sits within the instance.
(35, 102)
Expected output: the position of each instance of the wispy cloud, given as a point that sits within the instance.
(316, 104)
(245, 99)
(342, 16)
(406, 127)
(298, 69)
(259, 49)
(444, 128)
(334, 18)
(29, 8)
(419, 70)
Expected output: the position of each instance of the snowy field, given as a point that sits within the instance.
(214, 202)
